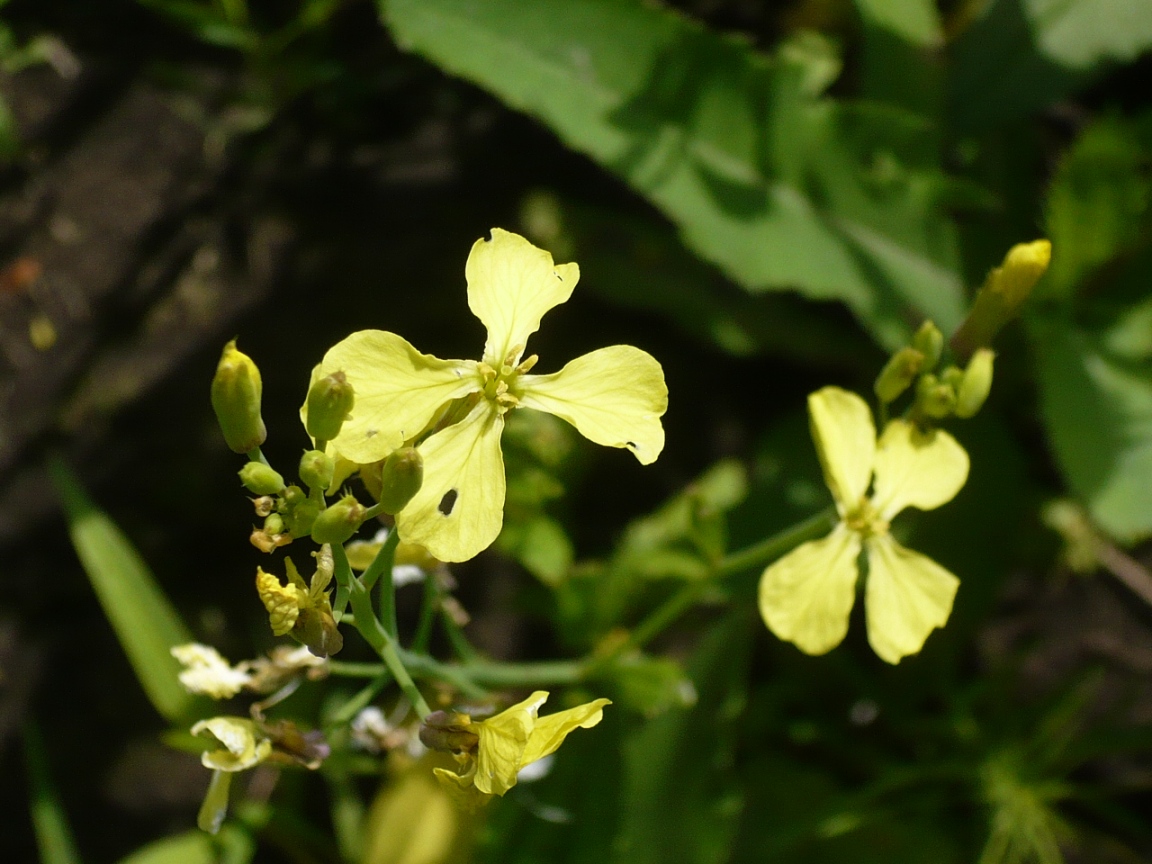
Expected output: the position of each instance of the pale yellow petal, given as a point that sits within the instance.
(242, 747)
(460, 790)
(511, 284)
(459, 510)
(398, 391)
(906, 597)
(845, 437)
(807, 596)
(550, 731)
(917, 469)
(614, 396)
(503, 739)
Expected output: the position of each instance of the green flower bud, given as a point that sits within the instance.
(293, 495)
(898, 374)
(274, 524)
(953, 376)
(260, 479)
(929, 341)
(329, 402)
(317, 469)
(339, 522)
(976, 384)
(934, 398)
(400, 479)
(1003, 292)
(236, 390)
(300, 517)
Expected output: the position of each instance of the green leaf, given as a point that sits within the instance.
(146, 623)
(1097, 203)
(680, 800)
(53, 836)
(231, 846)
(1098, 411)
(775, 184)
(1022, 55)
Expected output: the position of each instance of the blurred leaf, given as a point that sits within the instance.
(1022, 55)
(650, 685)
(53, 835)
(1097, 203)
(1098, 411)
(681, 801)
(898, 66)
(778, 186)
(541, 545)
(146, 623)
(231, 846)
(414, 821)
(625, 256)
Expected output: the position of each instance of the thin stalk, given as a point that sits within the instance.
(381, 570)
(499, 674)
(257, 455)
(427, 616)
(360, 701)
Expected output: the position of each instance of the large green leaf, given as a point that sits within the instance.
(1022, 55)
(1098, 409)
(145, 622)
(777, 185)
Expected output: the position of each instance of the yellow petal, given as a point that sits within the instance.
(241, 747)
(460, 789)
(503, 739)
(806, 596)
(917, 469)
(459, 510)
(398, 390)
(615, 396)
(283, 602)
(511, 284)
(907, 595)
(206, 672)
(845, 437)
(550, 731)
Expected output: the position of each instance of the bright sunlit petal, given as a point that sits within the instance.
(459, 510)
(614, 396)
(917, 469)
(503, 739)
(806, 596)
(511, 284)
(398, 390)
(845, 438)
(551, 730)
(907, 596)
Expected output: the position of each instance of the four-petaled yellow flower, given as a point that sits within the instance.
(614, 396)
(492, 752)
(806, 596)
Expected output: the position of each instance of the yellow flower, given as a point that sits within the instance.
(242, 746)
(806, 596)
(492, 752)
(208, 673)
(614, 396)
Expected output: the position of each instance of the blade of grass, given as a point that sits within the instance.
(145, 621)
(53, 836)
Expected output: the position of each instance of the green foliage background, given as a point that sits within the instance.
(769, 198)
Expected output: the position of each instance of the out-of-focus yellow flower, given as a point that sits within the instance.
(614, 396)
(492, 752)
(806, 596)
(242, 746)
(208, 673)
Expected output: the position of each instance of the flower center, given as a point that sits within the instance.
(499, 384)
(864, 519)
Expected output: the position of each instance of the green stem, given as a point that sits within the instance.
(733, 564)
(381, 569)
(360, 701)
(771, 548)
(381, 641)
(346, 669)
(427, 616)
(257, 455)
(498, 674)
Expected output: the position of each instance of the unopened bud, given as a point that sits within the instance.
(274, 524)
(934, 398)
(898, 374)
(1004, 291)
(953, 376)
(301, 516)
(329, 402)
(976, 384)
(236, 390)
(261, 479)
(339, 522)
(400, 479)
(929, 341)
(317, 469)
